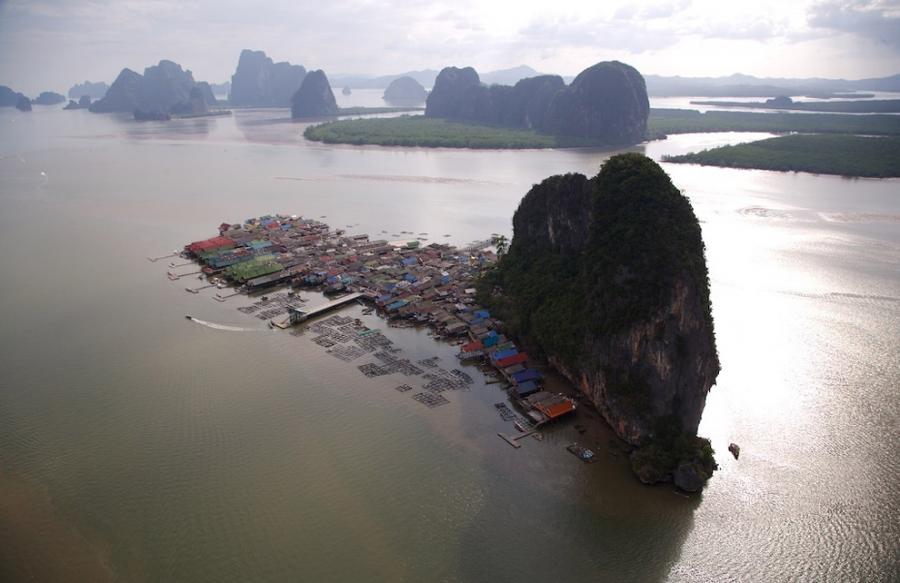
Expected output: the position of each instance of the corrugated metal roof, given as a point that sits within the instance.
(511, 360)
(501, 354)
(527, 388)
(529, 374)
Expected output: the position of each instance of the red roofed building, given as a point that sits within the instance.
(212, 244)
(519, 358)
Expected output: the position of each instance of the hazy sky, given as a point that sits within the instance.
(50, 44)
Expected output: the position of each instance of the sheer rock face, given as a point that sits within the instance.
(314, 98)
(523, 105)
(8, 97)
(564, 204)
(165, 85)
(450, 92)
(607, 277)
(48, 98)
(84, 102)
(163, 88)
(198, 101)
(23, 103)
(206, 93)
(607, 101)
(123, 95)
(286, 80)
(405, 89)
(646, 355)
(195, 105)
(92, 90)
(260, 82)
(531, 99)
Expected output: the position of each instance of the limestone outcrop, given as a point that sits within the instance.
(48, 98)
(314, 98)
(164, 88)
(92, 90)
(606, 103)
(260, 82)
(607, 277)
(405, 89)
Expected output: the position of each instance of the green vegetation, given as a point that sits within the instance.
(643, 236)
(682, 121)
(670, 447)
(869, 106)
(542, 299)
(419, 131)
(373, 110)
(876, 157)
(607, 276)
(501, 243)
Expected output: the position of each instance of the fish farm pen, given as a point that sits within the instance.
(407, 283)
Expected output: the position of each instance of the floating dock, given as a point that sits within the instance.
(298, 315)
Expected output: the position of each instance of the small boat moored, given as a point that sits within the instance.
(582, 453)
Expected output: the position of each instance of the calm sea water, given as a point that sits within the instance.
(139, 446)
(373, 98)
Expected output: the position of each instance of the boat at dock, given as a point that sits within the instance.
(582, 453)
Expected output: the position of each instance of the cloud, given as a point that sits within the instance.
(653, 10)
(629, 36)
(759, 28)
(664, 10)
(49, 44)
(875, 20)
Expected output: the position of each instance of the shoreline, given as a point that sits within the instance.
(835, 155)
(405, 285)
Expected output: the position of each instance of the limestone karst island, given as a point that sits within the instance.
(606, 277)
(449, 291)
(605, 281)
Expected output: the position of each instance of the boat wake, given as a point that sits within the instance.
(215, 326)
(765, 213)
(869, 298)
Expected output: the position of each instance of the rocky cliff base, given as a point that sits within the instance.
(607, 277)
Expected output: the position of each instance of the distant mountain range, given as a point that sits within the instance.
(736, 85)
(426, 78)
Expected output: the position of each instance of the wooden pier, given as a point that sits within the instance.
(177, 276)
(196, 290)
(221, 298)
(514, 440)
(155, 259)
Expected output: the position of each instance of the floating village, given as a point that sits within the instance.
(271, 258)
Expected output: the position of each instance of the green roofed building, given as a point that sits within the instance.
(262, 265)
